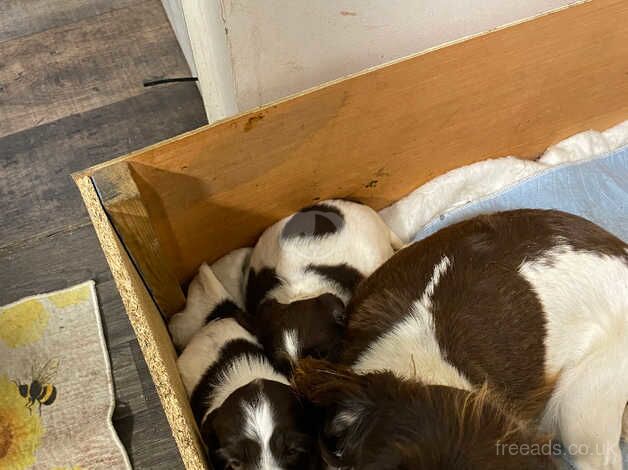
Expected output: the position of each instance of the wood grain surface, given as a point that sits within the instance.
(151, 331)
(125, 208)
(85, 65)
(20, 18)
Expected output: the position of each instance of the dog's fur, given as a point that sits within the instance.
(532, 305)
(300, 262)
(207, 300)
(231, 271)
(218, 290)
(248, 413)
(311, 328)
(378, 421)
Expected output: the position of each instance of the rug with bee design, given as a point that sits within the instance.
(56, 393)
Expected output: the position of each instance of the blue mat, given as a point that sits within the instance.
(594, 189)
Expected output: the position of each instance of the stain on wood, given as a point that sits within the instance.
(251, 122)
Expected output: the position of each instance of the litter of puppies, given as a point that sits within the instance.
(332, 346)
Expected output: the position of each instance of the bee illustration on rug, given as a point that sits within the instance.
(40, 391)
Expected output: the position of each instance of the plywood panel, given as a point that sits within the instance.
(123, 202)
(151, 332)
(23, 17)
(377, 136)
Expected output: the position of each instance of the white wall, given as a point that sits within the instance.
(279, 47)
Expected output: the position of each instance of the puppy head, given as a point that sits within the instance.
(311, 327)
(378, 421)
(261, 426)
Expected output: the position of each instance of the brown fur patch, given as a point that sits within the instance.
(380, 421)
(488, 320)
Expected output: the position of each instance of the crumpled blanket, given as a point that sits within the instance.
(429, 207)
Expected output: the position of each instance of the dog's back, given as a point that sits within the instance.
(533, 302)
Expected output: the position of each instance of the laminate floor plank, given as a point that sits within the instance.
(85, 65)
(41, 196)
(19, 18)
(53, 262)
(116, 325)
(148, 440)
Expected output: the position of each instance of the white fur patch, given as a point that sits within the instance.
(291, 344)
(204, 349)
(410, 349)
(259, 426)
(204, 293)
(439, 270)
(346, 418)
(585, 300)
(364, 243)
(230, 269)
(239, 373)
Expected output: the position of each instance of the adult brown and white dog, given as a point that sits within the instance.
(486, 334)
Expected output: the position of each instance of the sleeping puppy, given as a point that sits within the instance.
(464, 337)
(378, 421)
(248, 414)
(303, 271)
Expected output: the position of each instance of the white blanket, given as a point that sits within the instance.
(469, 183)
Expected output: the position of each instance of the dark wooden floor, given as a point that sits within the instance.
(71, 95)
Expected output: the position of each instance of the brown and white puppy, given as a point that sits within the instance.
(303, 271)
(378, 421)
(310, 328)
(530, 304)
(248, 413)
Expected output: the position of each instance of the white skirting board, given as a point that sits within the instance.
(200, 29)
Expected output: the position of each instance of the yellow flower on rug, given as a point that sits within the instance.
(66, 298)
(23, 323)
(20, 429)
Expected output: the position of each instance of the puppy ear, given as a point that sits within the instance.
(323, 383)
(345, 398)
(209, 436)
(335, 307)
